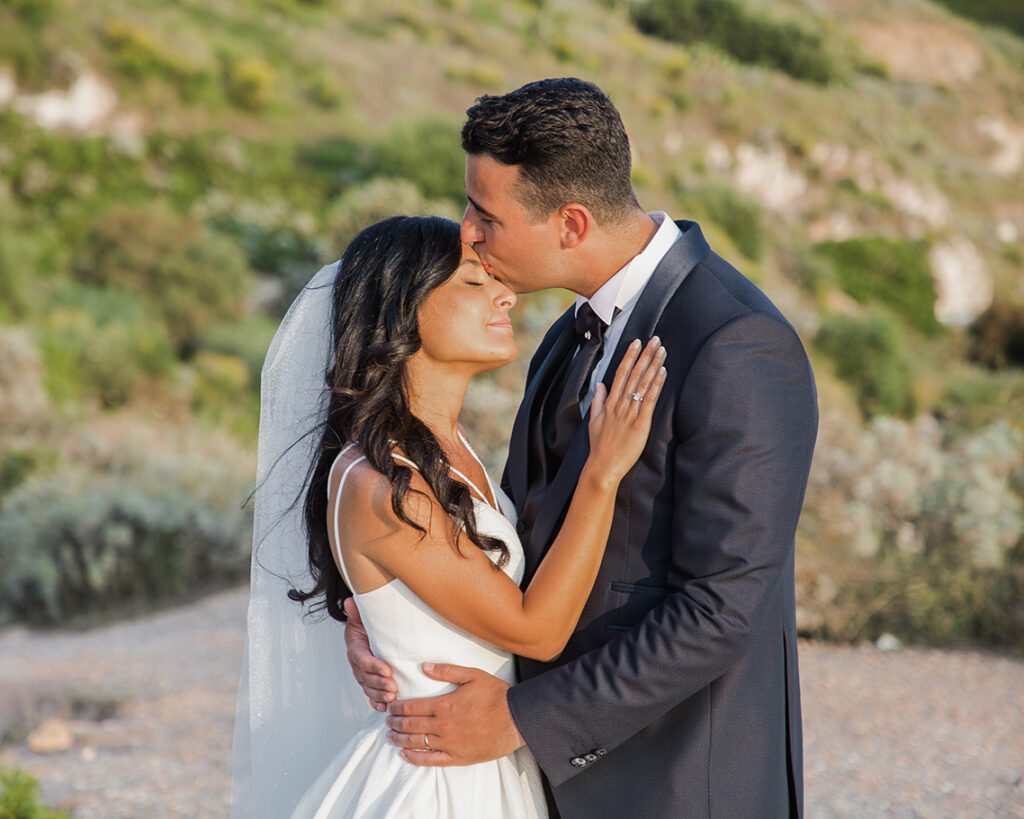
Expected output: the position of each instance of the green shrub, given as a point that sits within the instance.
(427, 152)
(35, 12)
(19, 797)
(739, 215)
(997, 336)
(324, 92)
(29, 255)
(747, 36)
(100, 343)
(139, 55)
(248, 339)
(982, 397)
(249, 82)
(868, 354)
(185, 274)
(895, 274)
(81, 544)
(27, 50)
(378, 199)
(911, 530)
(1008, 13)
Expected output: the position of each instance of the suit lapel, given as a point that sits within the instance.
(526, 442)
(676, 265)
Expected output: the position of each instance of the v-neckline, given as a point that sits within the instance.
(493, 500)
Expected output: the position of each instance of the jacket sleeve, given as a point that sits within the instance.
(744, 427)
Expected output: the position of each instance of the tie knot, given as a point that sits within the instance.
(588, 324)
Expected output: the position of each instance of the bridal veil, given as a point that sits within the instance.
(297, 699)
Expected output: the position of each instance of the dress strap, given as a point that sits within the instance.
(472, 485)
(493, 501)
(337, 503)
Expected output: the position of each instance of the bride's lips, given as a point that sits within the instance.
(503, 324)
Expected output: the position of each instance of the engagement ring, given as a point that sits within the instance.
(637, 396)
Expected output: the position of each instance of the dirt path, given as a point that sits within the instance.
(916, 733)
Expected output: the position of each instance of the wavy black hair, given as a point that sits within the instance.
(384, 277)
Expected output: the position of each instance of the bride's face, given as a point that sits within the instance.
(466, 320)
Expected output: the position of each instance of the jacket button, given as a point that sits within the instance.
(591, 757)
(599, 751)
(578, 762)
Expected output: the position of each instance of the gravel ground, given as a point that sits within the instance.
(150, 704)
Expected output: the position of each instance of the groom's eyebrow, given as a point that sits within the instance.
(480, 210)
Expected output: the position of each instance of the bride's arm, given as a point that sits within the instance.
(459, 582)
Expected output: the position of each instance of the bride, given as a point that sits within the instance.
(400, 513)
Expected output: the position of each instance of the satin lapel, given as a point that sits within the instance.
(683, 256)
(526, 441)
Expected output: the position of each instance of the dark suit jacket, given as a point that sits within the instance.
(678, 695)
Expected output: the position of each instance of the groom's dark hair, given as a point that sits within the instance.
(568, 141)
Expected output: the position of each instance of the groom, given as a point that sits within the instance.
(677, 695)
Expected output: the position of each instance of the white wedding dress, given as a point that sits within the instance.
(367, 779)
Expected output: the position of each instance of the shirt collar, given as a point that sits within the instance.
(622, 289)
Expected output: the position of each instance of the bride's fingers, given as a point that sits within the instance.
(646, 410)
(622, 373)
(646, 379)
(631, 383)
(597, 403)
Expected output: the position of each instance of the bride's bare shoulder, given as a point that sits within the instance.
(364, 499)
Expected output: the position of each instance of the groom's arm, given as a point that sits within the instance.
(746, 420)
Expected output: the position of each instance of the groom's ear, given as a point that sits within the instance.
(575, 224)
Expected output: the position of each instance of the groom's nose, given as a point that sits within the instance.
(470, 231)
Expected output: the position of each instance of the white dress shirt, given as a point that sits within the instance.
(621, 293)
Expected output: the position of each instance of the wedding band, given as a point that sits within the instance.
(637, 396)
(426, 743)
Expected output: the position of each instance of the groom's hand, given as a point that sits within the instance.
(469, 725)
(372, 674)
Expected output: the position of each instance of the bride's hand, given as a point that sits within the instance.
(620, 418)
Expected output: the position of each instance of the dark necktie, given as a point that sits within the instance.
(564, 418)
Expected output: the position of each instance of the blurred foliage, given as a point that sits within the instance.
(739, 215)
(869, 354)
(144, 264)
(249, 82)
(746, 35)
(98, 343)
(138, 54)
(19, 797)
(978, 398)
(997, 336)
(427, 153)
(1009, 13)
(36, 12)
(907, 532)
(362, 206)
(188, 276)
(78, 544)
(881, 271)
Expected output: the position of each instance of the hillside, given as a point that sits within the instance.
(171, 173)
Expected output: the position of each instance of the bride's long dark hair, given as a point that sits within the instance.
(384, 277)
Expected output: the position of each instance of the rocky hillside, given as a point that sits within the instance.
(861, 160)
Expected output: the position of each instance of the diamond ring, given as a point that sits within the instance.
(637, 396)
(426, 743)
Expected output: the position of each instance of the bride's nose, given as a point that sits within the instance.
(505, 298)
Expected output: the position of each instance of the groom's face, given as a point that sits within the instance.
(520, 251)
